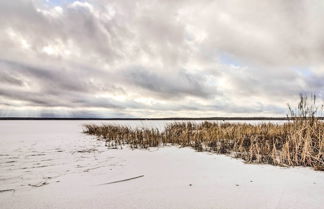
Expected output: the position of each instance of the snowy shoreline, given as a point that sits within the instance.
(54, 165)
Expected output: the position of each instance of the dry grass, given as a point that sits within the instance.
(298, 142)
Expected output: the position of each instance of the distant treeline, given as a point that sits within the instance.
(170, 118)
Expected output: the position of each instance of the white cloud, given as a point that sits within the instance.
(159, 58)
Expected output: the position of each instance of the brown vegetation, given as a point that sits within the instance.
(298, 142)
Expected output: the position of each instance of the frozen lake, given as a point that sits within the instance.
(52, 164)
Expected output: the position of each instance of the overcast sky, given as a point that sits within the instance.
(158, 58)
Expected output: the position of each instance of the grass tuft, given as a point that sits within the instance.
(298, 142)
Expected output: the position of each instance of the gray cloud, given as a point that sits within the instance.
(166, 85)
(158, 58)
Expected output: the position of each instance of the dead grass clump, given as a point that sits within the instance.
(298, 142)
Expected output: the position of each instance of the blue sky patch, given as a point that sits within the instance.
(304, 71)
(228, 59)
(60, 2)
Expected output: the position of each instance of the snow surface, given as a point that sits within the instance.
(51, 164)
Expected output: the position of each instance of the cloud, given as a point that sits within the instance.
(166, 85)
(158, 58)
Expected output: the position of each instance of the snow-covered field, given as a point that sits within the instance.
(51, 164)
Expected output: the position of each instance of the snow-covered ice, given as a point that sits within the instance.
(51, 164)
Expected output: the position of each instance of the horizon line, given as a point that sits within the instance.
(156, 118)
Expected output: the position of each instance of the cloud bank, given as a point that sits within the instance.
(150, 58)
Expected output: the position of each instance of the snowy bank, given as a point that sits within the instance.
(53, 165)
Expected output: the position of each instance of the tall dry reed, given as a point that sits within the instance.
(298, 142)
